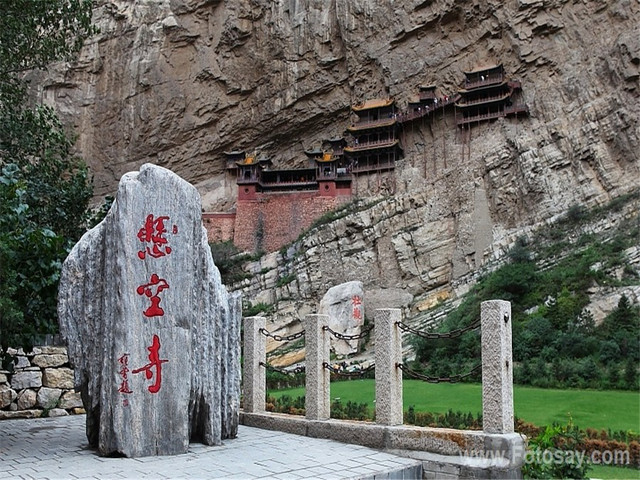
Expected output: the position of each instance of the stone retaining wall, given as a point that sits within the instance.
(40, 385)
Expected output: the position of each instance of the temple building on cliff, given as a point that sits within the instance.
(373, 144)
(487, 94)
(274, 205)
(333, 169)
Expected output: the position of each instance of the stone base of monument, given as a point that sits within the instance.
(152, 332)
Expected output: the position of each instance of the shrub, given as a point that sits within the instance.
(260, 307)
(551, 454)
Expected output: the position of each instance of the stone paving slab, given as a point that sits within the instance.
(57, 448)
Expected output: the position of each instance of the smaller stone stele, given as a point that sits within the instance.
(152, 332)
(344, 304)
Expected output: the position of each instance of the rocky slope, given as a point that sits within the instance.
(179, 82)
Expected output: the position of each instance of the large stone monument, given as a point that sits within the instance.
(152, 332)
(344, 305)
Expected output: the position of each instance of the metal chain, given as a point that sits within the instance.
(341, 336)
(341, 373)
(293, 371)
(280, 338)
(434, 335)
(427, 378)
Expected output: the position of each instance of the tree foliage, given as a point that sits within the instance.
(35, 33)
(44, 189)
(556, 342)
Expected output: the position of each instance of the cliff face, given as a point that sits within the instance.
(179, 82)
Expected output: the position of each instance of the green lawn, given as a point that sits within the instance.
(607, 472)
(617, 410)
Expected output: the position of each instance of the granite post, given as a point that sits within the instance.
(388, 375)
(254, 381)
(317, 405)
(497, 367)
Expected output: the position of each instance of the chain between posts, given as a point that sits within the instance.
(435, 335)
(342, 336)
(280, 338)
(427, 378)
(342, 373)
(293, 371)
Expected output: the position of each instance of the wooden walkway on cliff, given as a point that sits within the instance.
(426, 110)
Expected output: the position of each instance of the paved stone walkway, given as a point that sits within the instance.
(57, 448)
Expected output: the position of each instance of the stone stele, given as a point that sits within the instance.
(345, 306)
(152, 332)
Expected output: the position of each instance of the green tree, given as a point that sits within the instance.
(44, 190)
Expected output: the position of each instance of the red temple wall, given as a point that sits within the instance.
(276, 219)
(220, 226)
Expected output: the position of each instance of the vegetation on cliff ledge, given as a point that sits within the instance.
(547, 279)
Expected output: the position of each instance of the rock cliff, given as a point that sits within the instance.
(179, 82)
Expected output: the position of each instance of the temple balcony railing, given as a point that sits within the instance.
(516, 108)
(371, 145)
(426, 110)
(507, 110)
(374, 167)
(493, 98)
(246, 180)
(288, 183)
(381, 122)
(488, 80)
(334, 176)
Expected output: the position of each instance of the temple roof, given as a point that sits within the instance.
(375, 103)
(484, 68)
(462, 103)
(482, 87)
(248, 160)
(326, 158)
(372, 146)
(385, 122)
(314, 151)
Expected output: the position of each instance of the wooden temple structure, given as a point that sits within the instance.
(327, 173)
(373, 144)
(487, 94)
(275, 204)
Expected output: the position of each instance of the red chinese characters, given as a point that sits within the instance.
(356, 301)
(152, 290)
(154, 363)
(124, 371)
(153, 233)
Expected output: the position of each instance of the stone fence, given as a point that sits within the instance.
(41, 384)
(495, 452)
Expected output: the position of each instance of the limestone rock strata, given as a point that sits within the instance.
(153, 334)
(404, 255)
(181, 82)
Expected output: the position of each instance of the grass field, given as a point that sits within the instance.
(617, 410)
(619, 473)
